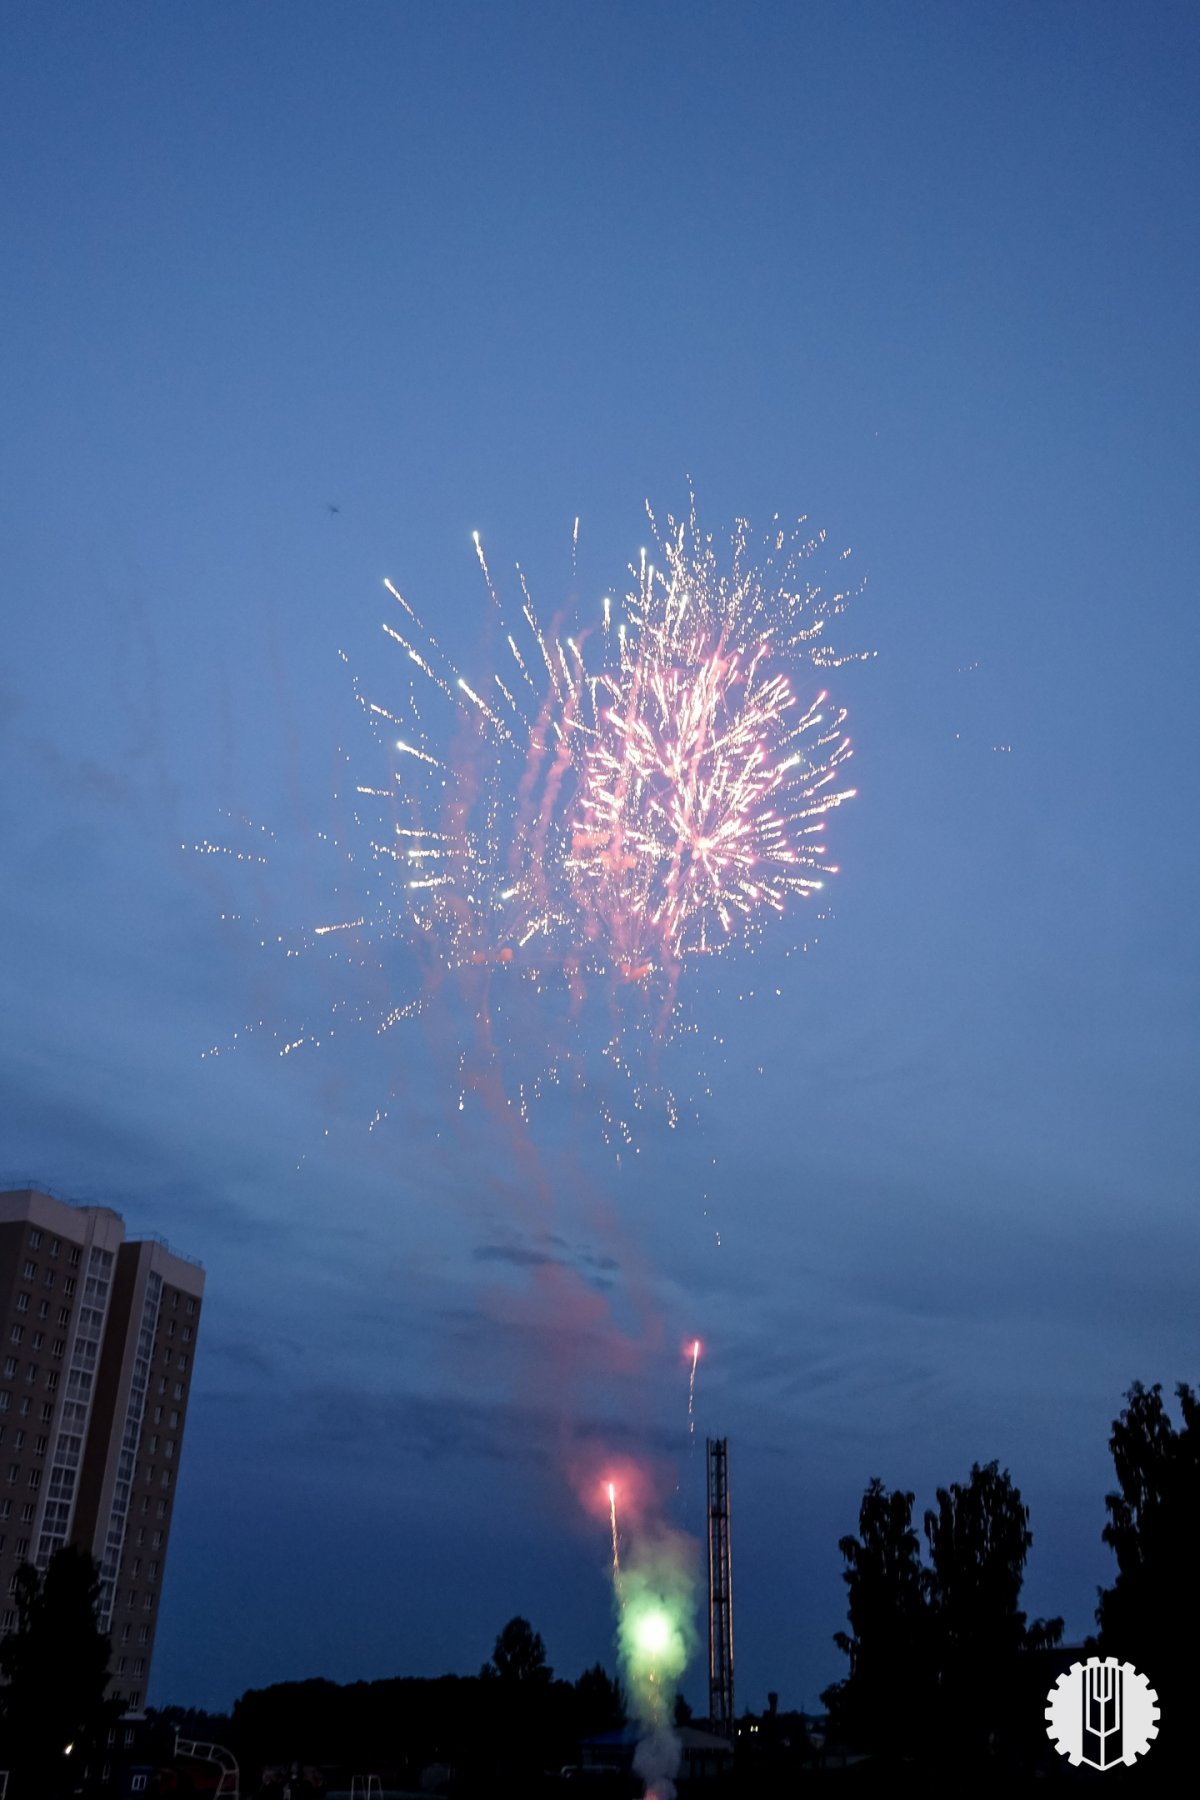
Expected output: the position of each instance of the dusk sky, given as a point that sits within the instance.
(926, 274)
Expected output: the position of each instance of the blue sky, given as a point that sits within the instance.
(926, 275)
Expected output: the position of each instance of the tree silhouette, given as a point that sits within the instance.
(519, 1655)
(1147, 1616)
(600, 1704)
(55, 1667)
(888, 1639)
(979, 1537)
(939, 1644)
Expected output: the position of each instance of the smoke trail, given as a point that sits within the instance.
(656, 1636)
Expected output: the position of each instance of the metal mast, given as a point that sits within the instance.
(720, 1591)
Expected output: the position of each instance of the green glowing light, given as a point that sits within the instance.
(653, 1633)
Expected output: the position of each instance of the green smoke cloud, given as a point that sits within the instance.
(656, 1631)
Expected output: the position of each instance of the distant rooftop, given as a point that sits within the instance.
(29, 1184)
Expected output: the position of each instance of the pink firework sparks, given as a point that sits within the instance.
(704, 779)
(591, 811)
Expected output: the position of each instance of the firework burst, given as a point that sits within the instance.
(657, 798)
(705, 781)
(556, 839)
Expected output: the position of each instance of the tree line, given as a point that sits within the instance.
(944, 1665)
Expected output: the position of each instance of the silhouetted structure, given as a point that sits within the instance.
(720, 1590)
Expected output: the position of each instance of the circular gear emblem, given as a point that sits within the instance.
(1102, 1712)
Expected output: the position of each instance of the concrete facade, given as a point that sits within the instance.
(97, 1346)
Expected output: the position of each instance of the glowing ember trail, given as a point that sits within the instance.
(616, 1549)
(692, 1389)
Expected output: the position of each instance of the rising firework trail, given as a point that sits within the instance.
(692, 1389)
(616, 1547)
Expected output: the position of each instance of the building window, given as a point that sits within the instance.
(55, 1246)
(17, 1333)
(171, 1329)
(160, 1511)
(5, 1508)
(22, 1546)
(169, 1447)
(36, 1341)
(5, 1396)
(43, 1309)
(22, 1302)
(191, 1306)
(27, 1513)
(162, 1385)
(179, 1390)
(122, 1663)
(47, 1412)
(135, 1700)
(183, 1361)
(156, 1541)
(166, 1478)
(10, 1365)
(8, 1622)
(18, 1440)
(48, 1278)
(29, 1272)
(51, 1379)
(69, 1286)
(124, 1634)
(74, 1256)
(187, 1334)
(148, 1603)
(151, 1446)
(35, 1239)
(57, 1348)
(39, 1446)
(35, 1478)
(13, 1471)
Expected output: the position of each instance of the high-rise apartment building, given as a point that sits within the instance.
(97, 1344)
